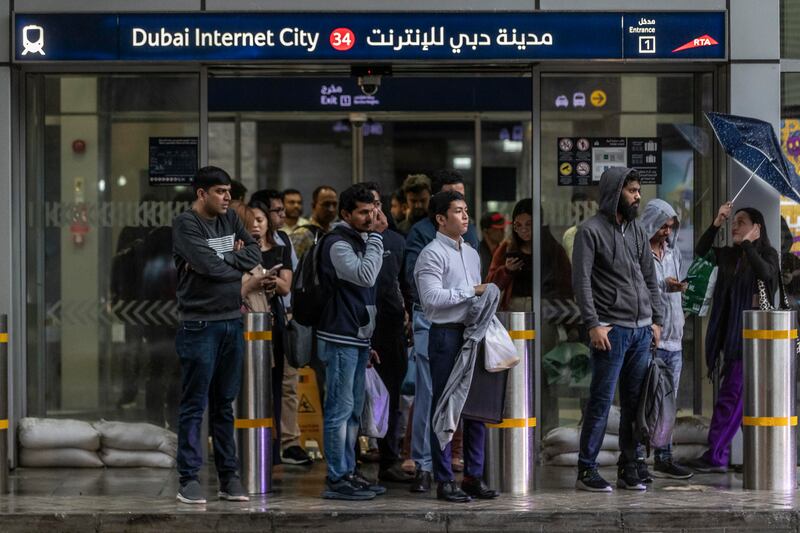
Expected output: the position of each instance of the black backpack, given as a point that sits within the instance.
(309, 294)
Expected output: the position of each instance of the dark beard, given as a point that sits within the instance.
(628, 212)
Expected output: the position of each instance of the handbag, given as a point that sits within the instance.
(501, 354)
(298, 344)
(765, 304)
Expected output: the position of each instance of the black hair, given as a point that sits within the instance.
(440, 203)
(523, 207)
(446, 177)
(352, 196)
(372, 186)
(266, 196)
(633, 175)
(399, 196)
(238, 190)
(318, 190)
(292, 191)
(208, 177)
(757, 218)
(263, 205)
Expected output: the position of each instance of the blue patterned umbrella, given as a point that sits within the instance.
(752, 143)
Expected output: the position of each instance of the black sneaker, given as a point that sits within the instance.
(644, 474)
(295, 455)
(591, 480)
(232, 491)
(345, 489)
(701, 465)
(191, 492)
(360, 481)
(628, 477)
(672, 470)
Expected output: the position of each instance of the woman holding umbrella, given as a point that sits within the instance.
(751, 259)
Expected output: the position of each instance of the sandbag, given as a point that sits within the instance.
(683, 452)
(137, 436)
(133, 458)
(691, 430)
(59, 458)
(567, 440)
(604, 458)
(51, 433)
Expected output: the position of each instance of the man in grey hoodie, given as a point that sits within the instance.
(661, 224)
(617, 292)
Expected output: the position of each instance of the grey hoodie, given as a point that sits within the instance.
(656, 213)
(612, 273)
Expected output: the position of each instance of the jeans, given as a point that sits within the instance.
(211, 371)
(421, 426)
(445, 347)
(345, 376)
(626, 362)
(674, 361)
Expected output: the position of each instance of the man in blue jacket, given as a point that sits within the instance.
(422, 233)
(212, 250)
(351, 257)
(617, 292)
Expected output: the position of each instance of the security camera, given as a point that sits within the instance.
(369, 84)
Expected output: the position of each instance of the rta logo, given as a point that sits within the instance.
(703, 40)
(33, 40)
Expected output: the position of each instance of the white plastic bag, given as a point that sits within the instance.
(501, 354)
(375, 417)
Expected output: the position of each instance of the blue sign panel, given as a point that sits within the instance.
(368, 36)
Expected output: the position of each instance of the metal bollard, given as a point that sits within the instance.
(770, 455)
(254, 423)
(4, 399)
(510, 445)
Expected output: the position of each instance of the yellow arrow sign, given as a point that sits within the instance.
(599, 98)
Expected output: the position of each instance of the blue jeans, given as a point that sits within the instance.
(626, 362)
(673, 360)
(421, 424)
(345, 376)
(211, 369)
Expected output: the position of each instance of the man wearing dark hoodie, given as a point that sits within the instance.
(617, 292)
(661, 224)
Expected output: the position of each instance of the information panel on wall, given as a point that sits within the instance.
(470, 36)
(582, 160)
(172, 160)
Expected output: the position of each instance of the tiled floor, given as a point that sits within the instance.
(144, 500)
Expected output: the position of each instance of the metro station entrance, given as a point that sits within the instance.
(302, 132)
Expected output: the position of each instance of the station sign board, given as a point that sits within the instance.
(348, 37)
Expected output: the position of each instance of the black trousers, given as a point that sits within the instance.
(390, 343)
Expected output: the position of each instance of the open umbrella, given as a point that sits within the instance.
(752, 143)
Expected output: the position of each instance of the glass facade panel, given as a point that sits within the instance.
(662, 106)
(101, 304)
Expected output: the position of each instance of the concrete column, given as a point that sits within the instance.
(755, 91)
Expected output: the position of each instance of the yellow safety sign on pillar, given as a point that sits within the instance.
(309, 409)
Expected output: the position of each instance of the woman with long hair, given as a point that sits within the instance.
(512, 262)
(750, 264)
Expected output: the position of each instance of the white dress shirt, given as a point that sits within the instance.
(446, 273)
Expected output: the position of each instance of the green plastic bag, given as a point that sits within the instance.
(702, 277)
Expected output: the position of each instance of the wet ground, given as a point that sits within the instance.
(142, 499)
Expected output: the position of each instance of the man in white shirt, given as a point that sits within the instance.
(448, 278)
